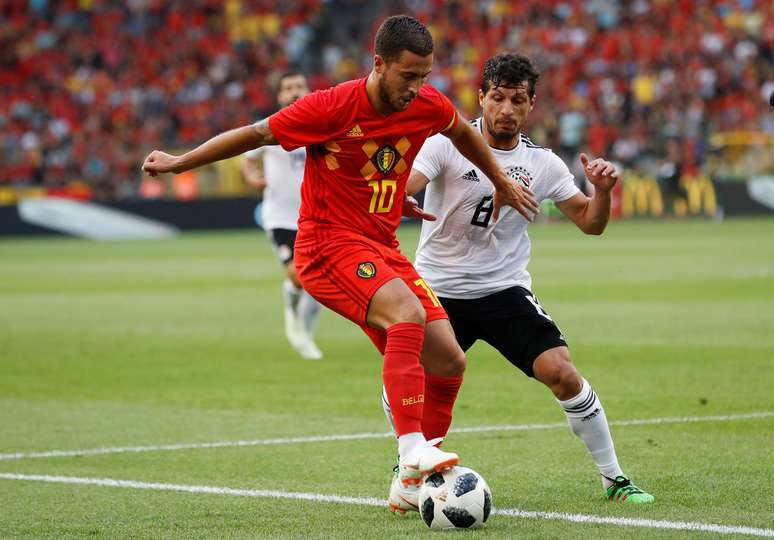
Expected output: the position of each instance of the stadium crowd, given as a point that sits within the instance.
(87, 87)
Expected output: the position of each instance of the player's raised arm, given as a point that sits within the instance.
(471, 145)
(222, 146)
(591, 214)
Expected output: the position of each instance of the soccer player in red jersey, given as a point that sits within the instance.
(362, 137)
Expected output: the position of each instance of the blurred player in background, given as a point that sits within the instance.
(279, 174)
(362, 137)
(479, 268)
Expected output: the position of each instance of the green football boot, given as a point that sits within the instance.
(622, 490)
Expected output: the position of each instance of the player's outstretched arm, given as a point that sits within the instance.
(222, 146)
(592, 214)
(471, 145)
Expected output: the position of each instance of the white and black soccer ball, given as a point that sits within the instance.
(455, 499)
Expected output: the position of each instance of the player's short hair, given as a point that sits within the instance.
(508, 70)
(286, 75)
(402, 33)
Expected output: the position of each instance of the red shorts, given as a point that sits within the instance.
(344, 272)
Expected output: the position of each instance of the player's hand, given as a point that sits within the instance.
(516, 196)
(412, 209)
(602, 174)
(160, 162)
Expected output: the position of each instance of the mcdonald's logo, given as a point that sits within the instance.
(641, 197)
(700, 194)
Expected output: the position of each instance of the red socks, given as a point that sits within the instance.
(440, 395)
(403, 376)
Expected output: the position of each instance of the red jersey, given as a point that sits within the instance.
(358, 160)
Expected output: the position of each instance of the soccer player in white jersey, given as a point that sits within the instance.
(280, 174)
(478, 268)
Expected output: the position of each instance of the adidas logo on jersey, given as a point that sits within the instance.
(355, 132)
(470, 176)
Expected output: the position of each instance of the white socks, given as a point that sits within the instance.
(303, 306)
(387, 409)
(308, 310)
(291, 294)
(588, 421)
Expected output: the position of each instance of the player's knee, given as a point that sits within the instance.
(445, 363)
(411, 310)
(395, 303)
(407, 309)
(569, 382)
(292, 274)
(457, 363)
(554, 369)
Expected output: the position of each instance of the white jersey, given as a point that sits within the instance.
(284, 172)
(463, 254)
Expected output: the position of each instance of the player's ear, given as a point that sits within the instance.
(481, 98)
(379, 64)
(532, 101)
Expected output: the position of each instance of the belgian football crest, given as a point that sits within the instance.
(520, 174)
(366, 270)
(385, 159)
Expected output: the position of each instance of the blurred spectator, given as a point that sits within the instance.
(87, 87)
(669, 173)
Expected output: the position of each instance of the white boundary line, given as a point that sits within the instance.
(362, 436)
(370, 501)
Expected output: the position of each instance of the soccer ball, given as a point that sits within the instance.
(455, 499)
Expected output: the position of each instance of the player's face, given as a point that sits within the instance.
(401, 79)
(505, 109)
(292, 88)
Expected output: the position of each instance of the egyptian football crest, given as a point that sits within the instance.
(520, 174)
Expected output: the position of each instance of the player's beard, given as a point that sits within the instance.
(503, 136)
(384, 95)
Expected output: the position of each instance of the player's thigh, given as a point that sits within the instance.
(520, 329)
(344, 276)
(441, 354)
(463, 319)
(423, 299)
(417, 285)
(520, 340)
(394, 303)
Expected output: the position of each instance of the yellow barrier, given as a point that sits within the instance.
(642, 196)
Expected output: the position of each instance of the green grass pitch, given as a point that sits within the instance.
(174, 342)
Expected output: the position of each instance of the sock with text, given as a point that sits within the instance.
(440, 395)
(588, 421)
(403, 376)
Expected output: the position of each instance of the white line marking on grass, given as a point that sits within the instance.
(634, 522)
(194, 446)
(362, 436)
(370, 501)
